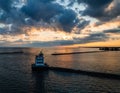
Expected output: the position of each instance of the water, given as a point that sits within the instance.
(16, 75)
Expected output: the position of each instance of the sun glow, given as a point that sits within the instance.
(110, 43)
(40, 35)
(47, 35)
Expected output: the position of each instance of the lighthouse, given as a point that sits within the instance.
(39, 62)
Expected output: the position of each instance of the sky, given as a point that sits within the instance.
(39, 23)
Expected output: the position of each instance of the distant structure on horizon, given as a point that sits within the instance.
(110, 48)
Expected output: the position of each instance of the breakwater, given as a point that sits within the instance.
(76, 53)
(89, 73)
(16, 52)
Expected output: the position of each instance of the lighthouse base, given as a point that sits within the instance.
(39, 67)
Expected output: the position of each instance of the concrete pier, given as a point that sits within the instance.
(89, 73)
(41, 66)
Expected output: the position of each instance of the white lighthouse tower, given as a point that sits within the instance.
(39, 62)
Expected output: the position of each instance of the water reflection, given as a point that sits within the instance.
(64, 61)
(37, 83)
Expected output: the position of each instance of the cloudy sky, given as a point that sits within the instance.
(59, 22)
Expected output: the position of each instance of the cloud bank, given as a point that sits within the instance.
(19, 17)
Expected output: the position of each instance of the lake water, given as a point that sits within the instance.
(16, 75)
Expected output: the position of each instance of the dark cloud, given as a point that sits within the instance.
(41, 10)
(38, 13)
(51, 12)
(95, 3)
(71, 3)
(5, 5)
(112, 31)
(14, 21)
(103, 10)
(3, 16)
(2, 31)
(98, 9)
(114, 11)
(95, 37)
(68, 19)
(83, 23)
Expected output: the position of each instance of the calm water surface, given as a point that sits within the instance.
(16, 75)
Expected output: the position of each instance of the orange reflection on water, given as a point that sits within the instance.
(110, 61)
(66, 60)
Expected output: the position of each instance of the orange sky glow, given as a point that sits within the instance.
(59, 23)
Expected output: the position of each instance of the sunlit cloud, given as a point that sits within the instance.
(58, 22)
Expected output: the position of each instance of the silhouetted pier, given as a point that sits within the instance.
(16, 52)
(75, 53)
(41, 66)
(89, 73)
(110, 48)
